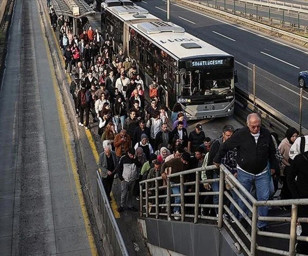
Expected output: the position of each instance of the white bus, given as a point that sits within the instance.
(192, 72)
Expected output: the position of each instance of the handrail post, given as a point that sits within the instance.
(182, 197)
(293, 230)
(254, 230)
(141, 200)
(221, 197)
(147, 199)
(197, 186)
(156, 199)
(168, 199)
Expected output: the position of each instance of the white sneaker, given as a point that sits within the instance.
(177, 215)
(80, 124)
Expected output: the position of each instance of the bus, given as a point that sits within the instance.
(190, 71)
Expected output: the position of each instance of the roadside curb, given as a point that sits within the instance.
(4, 35)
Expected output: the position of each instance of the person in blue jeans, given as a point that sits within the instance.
(227, 132)
(175, 165)
(255, 159)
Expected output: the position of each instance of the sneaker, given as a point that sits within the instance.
(137, 198)
(121, 209)
(177, 215)
(80, 124)
(87, 128)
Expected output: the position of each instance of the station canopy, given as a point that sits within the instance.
(72, 8)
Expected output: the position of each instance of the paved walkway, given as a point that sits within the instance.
(42, 211)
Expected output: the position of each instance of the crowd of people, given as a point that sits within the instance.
(141, 141)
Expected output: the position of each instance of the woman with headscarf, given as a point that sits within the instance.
(163, 153)
(284, 149)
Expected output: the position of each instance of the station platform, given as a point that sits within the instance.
(42, 206)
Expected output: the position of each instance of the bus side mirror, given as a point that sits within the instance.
(235, 77)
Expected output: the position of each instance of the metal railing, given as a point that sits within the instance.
(110, 225)
(156, 201)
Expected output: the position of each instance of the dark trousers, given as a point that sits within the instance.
(107, 183)
(302, 247)
(68, 64)
(82, 110)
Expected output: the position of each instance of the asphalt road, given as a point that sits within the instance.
(289, 17)
(277, 62)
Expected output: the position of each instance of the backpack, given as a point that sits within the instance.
(83, 97)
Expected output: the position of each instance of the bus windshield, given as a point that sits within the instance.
(205, 82)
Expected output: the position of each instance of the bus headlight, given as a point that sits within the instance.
(181, 100)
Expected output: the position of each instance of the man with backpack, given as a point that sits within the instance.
(227, 132)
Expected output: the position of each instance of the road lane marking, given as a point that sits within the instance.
(290, 90)
(243, 65)
(285, 62)
(68, 147)
(224, 36)
(160, 9)
(241, 28)
(187, 20)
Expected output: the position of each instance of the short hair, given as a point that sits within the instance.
(207, 139)
(228, 128)
(256, 115)
(180, 122)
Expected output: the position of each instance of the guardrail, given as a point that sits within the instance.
(155, 197)
(202, 6)
(111, 228)
(271, 118)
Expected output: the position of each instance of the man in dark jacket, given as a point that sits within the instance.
(196, 138)
(255, 160)
(227, 132)
(180, 135)
(163, 138)
(297, 179)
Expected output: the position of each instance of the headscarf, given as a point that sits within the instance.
(290, 132)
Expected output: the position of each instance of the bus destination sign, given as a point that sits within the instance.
(207, 63)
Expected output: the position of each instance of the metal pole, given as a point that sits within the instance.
(293, 230)
(254, 230)
(254, 84)
(182, 196)
(197, 188)
(140, 200)
(221, 197)
(298, 21)
(156, 199)
(300, 110)
(168, 199)
(168, 10)
(146, 199)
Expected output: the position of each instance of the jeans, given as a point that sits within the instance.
(177, 199)
(117, 120)
(262, 184)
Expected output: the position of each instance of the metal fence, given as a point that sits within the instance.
(293, 17)
(157, 201)
(275, 93)
(110, 225)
